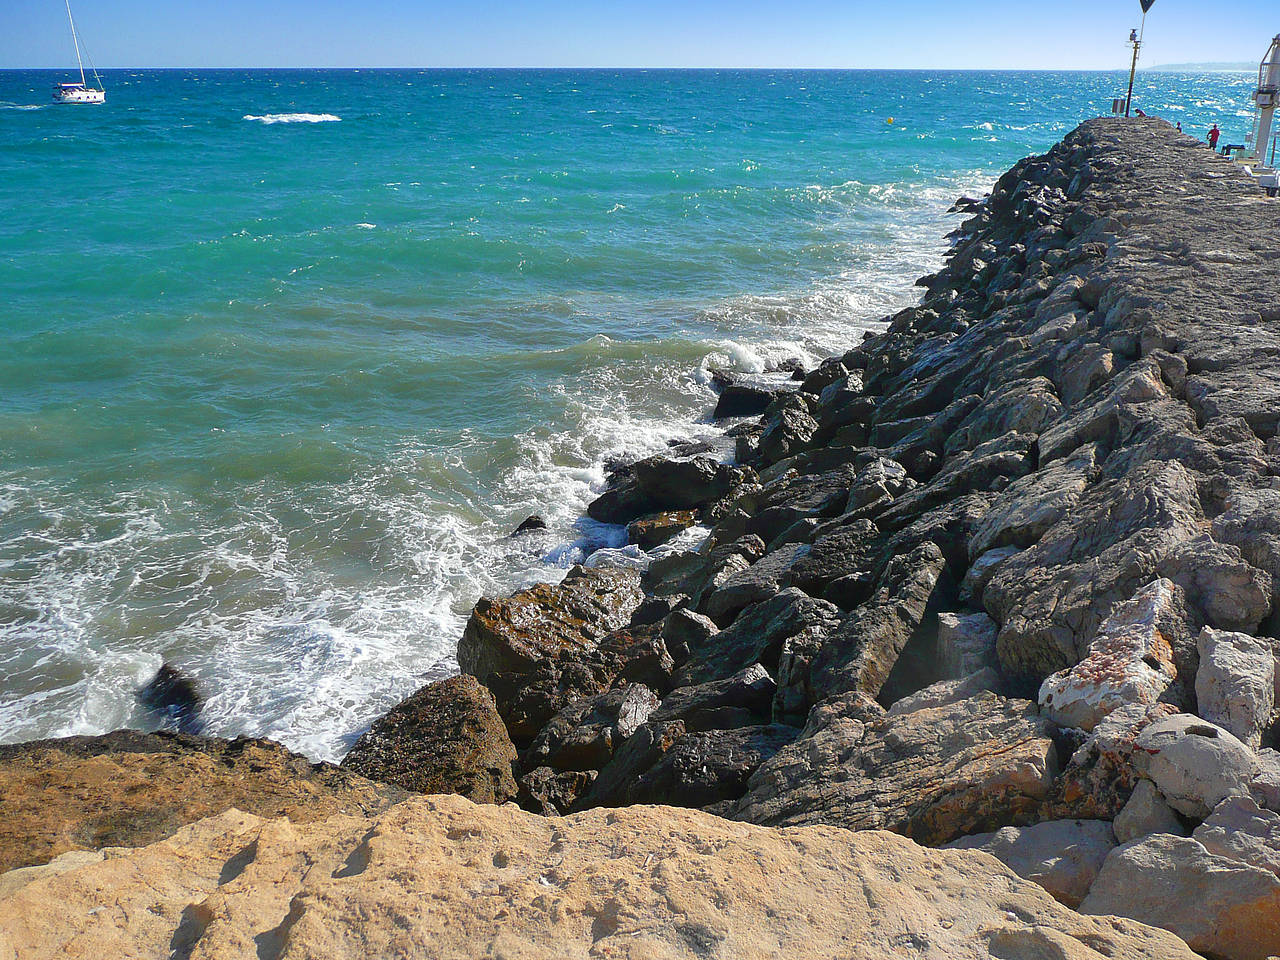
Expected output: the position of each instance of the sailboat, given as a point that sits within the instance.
(79, 92)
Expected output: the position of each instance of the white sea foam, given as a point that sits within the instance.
(294, 118)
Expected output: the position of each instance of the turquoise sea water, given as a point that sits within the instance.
(285, 355)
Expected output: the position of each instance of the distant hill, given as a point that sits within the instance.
(1240, 67)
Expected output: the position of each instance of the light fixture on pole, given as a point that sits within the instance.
(1135, 38)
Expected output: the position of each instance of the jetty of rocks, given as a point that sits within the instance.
(1000, 580)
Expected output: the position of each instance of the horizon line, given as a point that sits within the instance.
(671, 69)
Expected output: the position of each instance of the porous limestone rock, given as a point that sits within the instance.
(1195, 764)
(1235, 685)
(1130, 661)
(1063, 856)
(1220, 907)
(445, 738)
(933, 774)
(1146, 812)
(441, 877)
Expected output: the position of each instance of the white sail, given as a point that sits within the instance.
(79, 92)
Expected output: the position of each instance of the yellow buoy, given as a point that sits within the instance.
(890, 120)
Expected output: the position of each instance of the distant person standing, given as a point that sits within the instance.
(1179, 126)
(1214, 134)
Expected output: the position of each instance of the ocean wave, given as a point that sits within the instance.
(23, 106)
(294, 118)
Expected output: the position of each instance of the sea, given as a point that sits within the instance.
(286, 355)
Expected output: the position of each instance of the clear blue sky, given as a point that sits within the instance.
(1086, 34)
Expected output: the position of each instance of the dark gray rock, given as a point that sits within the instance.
(585, 734)
(740, 700)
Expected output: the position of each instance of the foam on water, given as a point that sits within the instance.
(280, 436)
(295, 118)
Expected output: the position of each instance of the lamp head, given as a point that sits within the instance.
(1133, 36)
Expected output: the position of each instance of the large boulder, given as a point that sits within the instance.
(1235, 685)
(585, 734)
(1239, 829)
(1130, 661)
(441, 877)
(741, 700)
(128, 789)
(1063, 856)
(1195, 764)
(1219, 906)
(1051, 598)
(513, 635)
(1146, 812)
(445, 738)
(933, 774)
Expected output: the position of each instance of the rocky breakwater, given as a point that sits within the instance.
(1003, 576)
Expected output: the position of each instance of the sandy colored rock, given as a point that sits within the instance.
(129, 788)
(1196, 764)
(441, 877)
(1146, 812)
(1063, 856)
(1219, 906)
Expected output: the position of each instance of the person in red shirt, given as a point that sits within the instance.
(1213, 137)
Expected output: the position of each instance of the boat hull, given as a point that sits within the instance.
(78, 95)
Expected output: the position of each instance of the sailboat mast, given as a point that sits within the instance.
(76, 41)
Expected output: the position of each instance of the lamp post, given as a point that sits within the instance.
(1133, 68)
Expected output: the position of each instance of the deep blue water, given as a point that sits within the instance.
(284, 355)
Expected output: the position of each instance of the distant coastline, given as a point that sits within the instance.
(1210, 67)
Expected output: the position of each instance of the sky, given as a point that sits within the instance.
(928, 34)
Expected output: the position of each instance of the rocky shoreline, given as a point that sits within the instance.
(1003, 578)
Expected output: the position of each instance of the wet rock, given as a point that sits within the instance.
(848, 550)
(1130, 661)
(934, 774)
(699, 769)
(127, 789)
(1220, 907)
(685, 484)
(685, 631)
(1063, 856)
(617, 782)
(552, 793)
(966, 643)
(1240, 830)
(1195, 764)
(445, 738)
(744, 699)
(1146, 812)
(513, 635)
(529, 524)
(744, 396)
(585, 734)
(787, 431)
(1235, 685)
(172, 696)
(656, 529)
